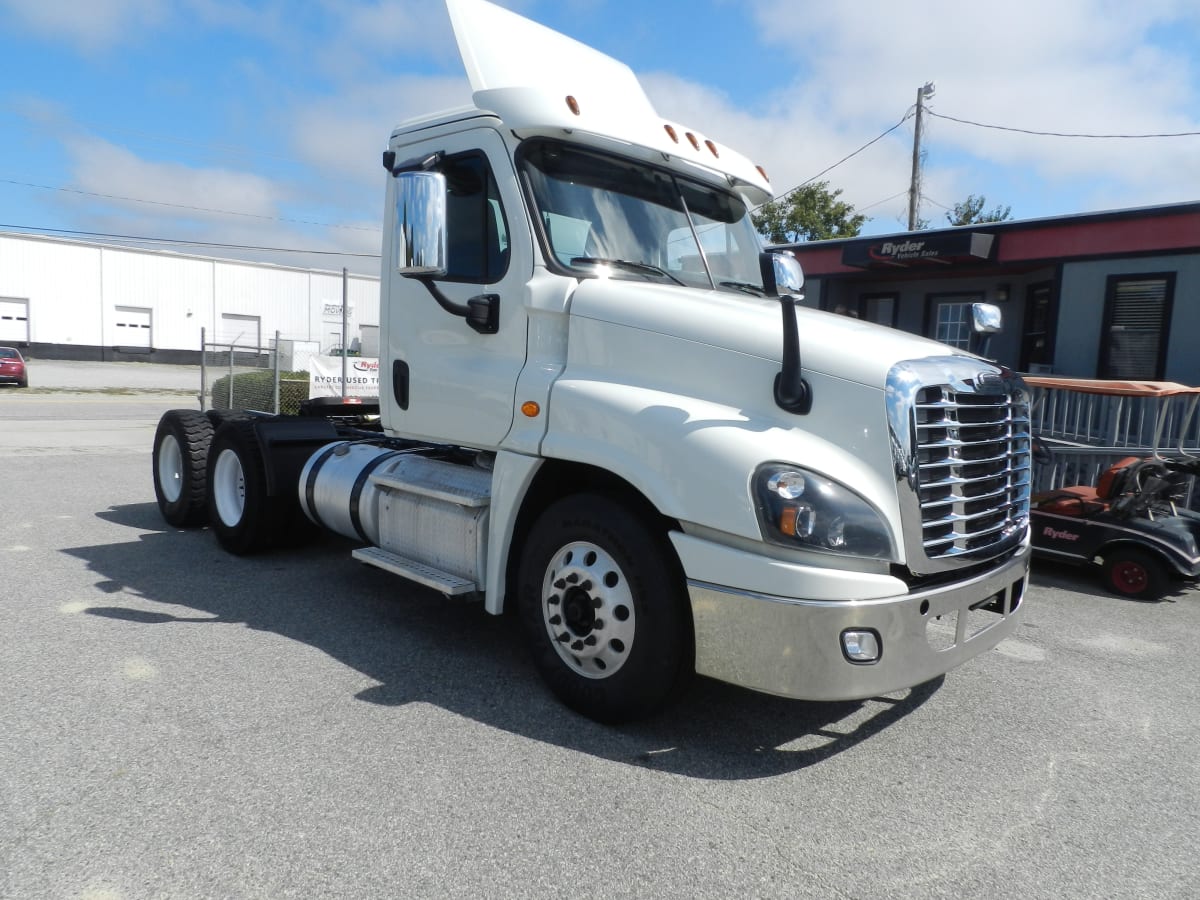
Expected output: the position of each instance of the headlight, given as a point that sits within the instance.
(798, 508)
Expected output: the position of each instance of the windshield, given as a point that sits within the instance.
(622, 217)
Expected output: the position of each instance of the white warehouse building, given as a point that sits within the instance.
(69, 299)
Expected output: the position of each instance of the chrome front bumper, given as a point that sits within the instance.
(793, 648)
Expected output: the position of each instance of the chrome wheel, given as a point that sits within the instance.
(229, 488)
(588, 610)
(170, 468)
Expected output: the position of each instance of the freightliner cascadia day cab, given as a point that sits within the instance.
(602, 406)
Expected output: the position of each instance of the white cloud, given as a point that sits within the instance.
(343, 136)
(1093, 66)
(161, 189)
(91, 26)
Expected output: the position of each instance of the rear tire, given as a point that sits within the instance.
(180, 466)
(1135, 573)
(604, 610)
(239, 510)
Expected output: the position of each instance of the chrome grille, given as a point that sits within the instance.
(973, 470)
(960, 443)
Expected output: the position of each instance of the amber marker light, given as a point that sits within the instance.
(712, 148)
(762, 172)
(693, 140)
(530, 409)
(787, 520)
(671, 133)
(573, 105)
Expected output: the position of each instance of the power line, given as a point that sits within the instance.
(884, 200)
(1063, 133)
(226, 212)
(849, 156)
(186, 243)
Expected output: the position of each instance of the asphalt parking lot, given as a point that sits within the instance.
(181, 723)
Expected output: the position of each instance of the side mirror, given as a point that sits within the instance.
(986, 318)
(419, 245)
(781, 273)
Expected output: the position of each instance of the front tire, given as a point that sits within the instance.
(604, 609)
(1135, 573)
(180, 466)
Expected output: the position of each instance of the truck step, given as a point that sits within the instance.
(414, 571)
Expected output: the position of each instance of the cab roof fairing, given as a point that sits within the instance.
(524, 72)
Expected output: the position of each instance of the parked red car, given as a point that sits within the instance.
(12, 367)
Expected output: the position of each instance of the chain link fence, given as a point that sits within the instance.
(251, 378)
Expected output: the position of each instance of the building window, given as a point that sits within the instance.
(949, 319)
(1137, 314)
(879, 308)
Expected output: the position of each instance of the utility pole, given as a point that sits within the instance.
(914, 192)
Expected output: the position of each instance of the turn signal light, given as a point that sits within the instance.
(530, 409)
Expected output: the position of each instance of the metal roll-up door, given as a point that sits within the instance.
(14, 321)
(131, 327)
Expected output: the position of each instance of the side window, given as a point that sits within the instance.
(476, 230)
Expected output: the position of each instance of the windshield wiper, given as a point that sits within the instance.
(745, 287)
(627, 264)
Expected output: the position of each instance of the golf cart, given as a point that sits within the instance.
(1133, 523)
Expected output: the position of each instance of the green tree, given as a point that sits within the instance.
(809, 213)
(970, 212)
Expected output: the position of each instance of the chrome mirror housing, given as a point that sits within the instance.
(986, 318)
(781, 273)
(419, 241)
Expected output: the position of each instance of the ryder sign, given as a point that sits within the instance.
(325, 377)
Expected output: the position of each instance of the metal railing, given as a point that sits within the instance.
(1115, 420)
(1087, 432)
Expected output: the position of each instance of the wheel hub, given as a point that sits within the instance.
(587, 605)
(579, 614)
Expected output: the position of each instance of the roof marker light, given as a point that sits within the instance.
(693, 140)
(712, 148)
(763, 173)
(573, 104)
(671, 133)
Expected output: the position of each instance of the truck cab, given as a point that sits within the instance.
(604, 408)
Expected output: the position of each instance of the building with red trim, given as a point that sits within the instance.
(1098, 295)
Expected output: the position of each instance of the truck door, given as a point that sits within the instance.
(443, 380)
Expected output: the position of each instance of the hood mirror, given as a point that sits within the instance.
(781, 273)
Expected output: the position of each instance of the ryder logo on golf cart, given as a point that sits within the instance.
(1056, 535)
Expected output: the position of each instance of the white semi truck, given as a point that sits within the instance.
(601, 405)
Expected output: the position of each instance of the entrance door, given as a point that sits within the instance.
(14, 321)
(1037, 341)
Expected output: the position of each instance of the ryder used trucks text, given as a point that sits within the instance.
(602, 406)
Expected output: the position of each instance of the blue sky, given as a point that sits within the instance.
(261, 123)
